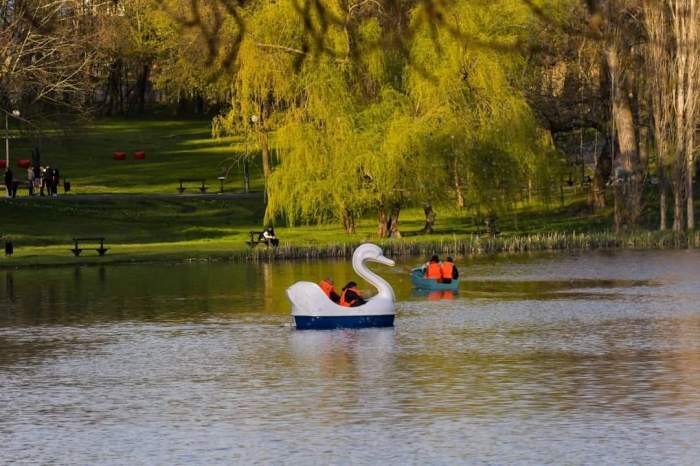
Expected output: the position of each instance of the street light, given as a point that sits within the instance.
(16, 114)
(246, 172)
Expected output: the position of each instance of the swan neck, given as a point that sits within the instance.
(372, 278)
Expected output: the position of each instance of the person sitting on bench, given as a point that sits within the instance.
(267, 236)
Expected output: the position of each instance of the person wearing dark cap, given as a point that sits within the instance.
(351, 296)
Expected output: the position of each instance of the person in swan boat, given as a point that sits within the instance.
(351, 296)
(328, 288)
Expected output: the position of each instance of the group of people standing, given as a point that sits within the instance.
(443, 272)
(45, 180)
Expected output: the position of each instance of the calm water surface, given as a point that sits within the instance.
(551, 359)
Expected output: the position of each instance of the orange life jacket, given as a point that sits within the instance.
(344, 302)
(446, 269)
(433, 272)
(326, 287)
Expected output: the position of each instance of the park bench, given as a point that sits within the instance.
(254, 241)
(202, 188)
(77, 249)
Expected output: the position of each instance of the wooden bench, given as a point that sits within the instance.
(77, 250)
(202, 188)
(254, 241)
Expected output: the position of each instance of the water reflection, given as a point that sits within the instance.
(584, 358)
(434, 295)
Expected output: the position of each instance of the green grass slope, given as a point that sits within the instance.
(174, 149)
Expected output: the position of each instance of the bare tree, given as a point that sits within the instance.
(673, 64)
(45, 54)
(685, 24)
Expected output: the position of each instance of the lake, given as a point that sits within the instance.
(585, 358)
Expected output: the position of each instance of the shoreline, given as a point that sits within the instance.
(178, 253)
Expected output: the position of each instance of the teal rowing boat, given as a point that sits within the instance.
(419, 281)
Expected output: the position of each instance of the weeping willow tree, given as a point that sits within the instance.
(360, 128)
(266, 80)
(476, 92)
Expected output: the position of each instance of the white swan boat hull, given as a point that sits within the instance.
(311, 309)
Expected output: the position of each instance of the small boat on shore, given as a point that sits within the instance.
(313, 310)
(419, 281)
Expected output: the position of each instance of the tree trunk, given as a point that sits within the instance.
(677, 209)
(348, 221)
(458, 186)
(689, 193)
(601, 175)
(394, 221)
(382, 230)
(663, 191)
(136, 96)
(265, 150)
(246, 176)
(628, 188)
(429, 218)
(142, 88)
(112, 102)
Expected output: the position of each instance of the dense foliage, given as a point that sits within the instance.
(361, 128)
(364, 107)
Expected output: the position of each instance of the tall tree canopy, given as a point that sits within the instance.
(361, 128)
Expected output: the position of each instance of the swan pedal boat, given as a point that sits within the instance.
(419, 281)
(313, 310)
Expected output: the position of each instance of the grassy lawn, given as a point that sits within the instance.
(174, 149)
(188, 228)
(179, 228)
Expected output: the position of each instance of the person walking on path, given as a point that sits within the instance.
(8, 181)
(55, 179)
(30, 180)
(37, 177)
(45, 182)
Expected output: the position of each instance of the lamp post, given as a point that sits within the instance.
(246, 173)
(15, 113)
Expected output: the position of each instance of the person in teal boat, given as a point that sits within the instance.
(448, 271)
(432, 269)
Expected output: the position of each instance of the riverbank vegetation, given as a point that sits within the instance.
(175, 149)
(186, 229)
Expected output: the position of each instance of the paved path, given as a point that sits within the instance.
(136, 197)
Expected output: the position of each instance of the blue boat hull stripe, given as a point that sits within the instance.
(326, 323)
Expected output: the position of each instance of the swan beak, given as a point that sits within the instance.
(385, 261)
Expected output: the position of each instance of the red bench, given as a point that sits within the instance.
(119, 155)
(139, 155)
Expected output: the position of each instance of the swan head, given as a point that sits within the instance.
(373, 253)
